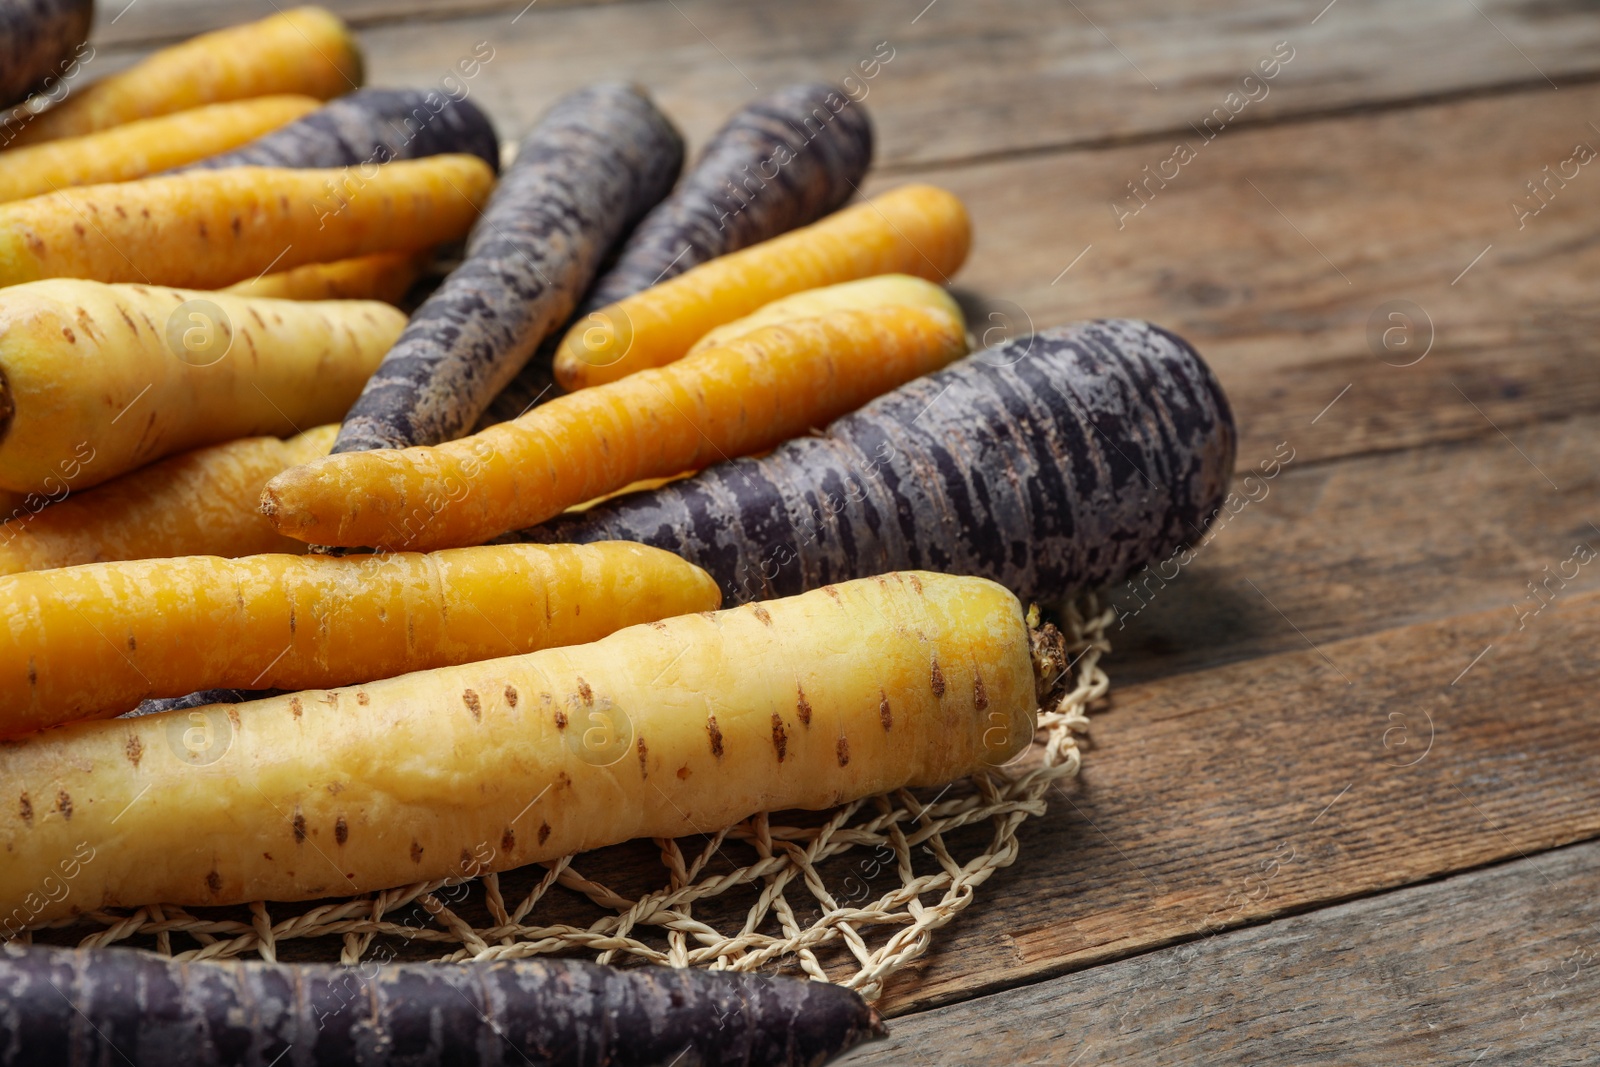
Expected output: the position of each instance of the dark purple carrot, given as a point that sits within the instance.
(36, 39)
(780, 162)
(157, 705)
(370, 126)
(120, 1005)
(599, 160)
(1051, 464)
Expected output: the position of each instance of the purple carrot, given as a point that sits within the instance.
(125, 1006)
(370, 126)
(780, 162)
(1051, 464)
(597, 162)
(36, 39)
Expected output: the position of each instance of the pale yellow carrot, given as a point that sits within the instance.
(144, 147)
(881, 290)
(385, 276)
(209, 228)
(97, 380)
(203, 502)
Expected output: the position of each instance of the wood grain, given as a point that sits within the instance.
(1359, 766)
(1369, 543)
(1273, 249)
(966, 80)
(1494, 968)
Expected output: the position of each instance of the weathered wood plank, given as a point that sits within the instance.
(1366, 544)
(1493, 967)
(1274, 249)
(1228, 796)
(966, 80)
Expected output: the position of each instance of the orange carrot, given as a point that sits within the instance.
(760, 389)
(144, 147)
(306, 50)
(386, 276)
(916, 229)
(199, 503)
(208, 228)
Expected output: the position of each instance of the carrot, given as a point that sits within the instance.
(883, 290)
(781, 161)
(144, 147)
(658, 730)
(36, 38)
(916, 229)
(93, 641)
(1061, 462)
(96, 380)
(104, 1005)
(306, 51)
(199, 503)
(212, 228)
(386, 276)
(380, 125)
(748, 396)
(591, 166)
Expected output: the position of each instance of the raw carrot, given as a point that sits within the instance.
(882, 290)
(658, 730)
(198, 503)
(916, 229)
(748, 396)
(1051, 464)
(380, 125)
(591, 167)
(93, 641)
(781, 161)
(36, 37)
(143, 147)
(208, 229)
(306, 51)
(96, 380)
(386, 276)
(103, 1005)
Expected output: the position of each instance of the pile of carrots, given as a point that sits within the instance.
(465, 540)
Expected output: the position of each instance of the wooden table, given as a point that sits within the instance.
(1341, 808)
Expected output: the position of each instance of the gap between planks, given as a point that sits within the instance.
(1492, 966)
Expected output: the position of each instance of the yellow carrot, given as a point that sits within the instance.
(199, 503)
(882, 290)
(96, 380)
(757, 391)
(144, 147)
(916, 229)
(385, 276)
(209, 228)
(306, 51)
(95, 640)
(678, 727)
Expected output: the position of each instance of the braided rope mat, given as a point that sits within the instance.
(849, 939)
